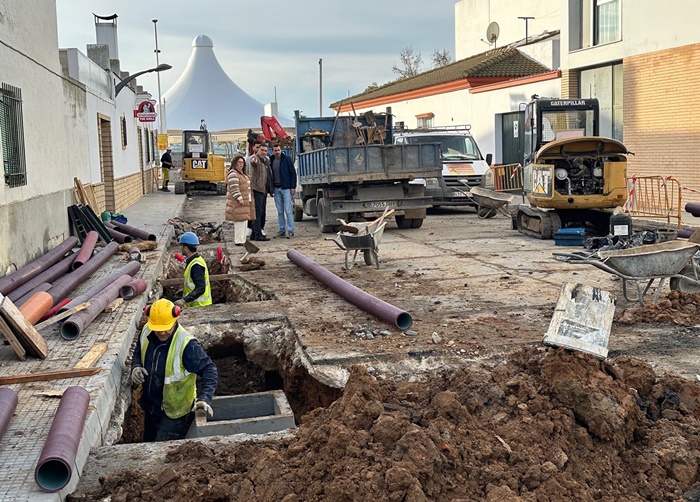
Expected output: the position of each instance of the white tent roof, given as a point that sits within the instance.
(204, 91)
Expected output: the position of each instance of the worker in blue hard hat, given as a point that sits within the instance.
(196, 291)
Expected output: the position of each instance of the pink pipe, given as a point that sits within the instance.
(133, 289)
(86, 249)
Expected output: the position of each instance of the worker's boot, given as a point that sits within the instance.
(165, 186)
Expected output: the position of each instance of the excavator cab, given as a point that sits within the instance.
(202, 171)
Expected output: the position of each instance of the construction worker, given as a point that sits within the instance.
(166, 164)
(196, 290)
(167, 361)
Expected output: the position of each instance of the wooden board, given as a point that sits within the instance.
(81, 192)
(91, 196)
(212, 278)
(114, 305)
(46, 376)
(90, 359)
(62, 315)
(12, 340)
(27, 334)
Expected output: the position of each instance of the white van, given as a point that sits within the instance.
(461, 160)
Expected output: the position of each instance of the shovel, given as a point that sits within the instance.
(378, 221)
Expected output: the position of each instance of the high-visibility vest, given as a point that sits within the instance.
(188, 287)
(180, 387)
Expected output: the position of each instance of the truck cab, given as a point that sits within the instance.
(461, 160)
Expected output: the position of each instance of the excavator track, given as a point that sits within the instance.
(537, 223)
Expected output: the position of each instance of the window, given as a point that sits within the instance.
(12, 133)
(594, 22)
(607, 21)
(424, 120)
(122, 123)
(605, 83)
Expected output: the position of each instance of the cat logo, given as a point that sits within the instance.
(199, 164)
(542, 181)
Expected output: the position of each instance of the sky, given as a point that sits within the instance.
(271, 44)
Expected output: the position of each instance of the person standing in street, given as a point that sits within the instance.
(166, 163)
(260, 182)
(196, 290)
(285, 182)
(240, 206)
(167, 361)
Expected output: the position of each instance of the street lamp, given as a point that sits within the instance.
(120, 85)
(160, 104)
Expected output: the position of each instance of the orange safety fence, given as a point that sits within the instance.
(655, 197)
(508, 178)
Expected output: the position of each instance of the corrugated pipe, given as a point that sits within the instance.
(130, 268)
(77, 323)
(132, 231)
(49, 275)
(30, 270)
(77, 277)
(38, 305)
(55, 466)
(44, 286)
(8, 405)
(86, 249)
(379, 308)
(118, 236)
(133, 289)
(54, 309)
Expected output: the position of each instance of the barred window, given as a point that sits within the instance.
(122, 122)
(12, 134)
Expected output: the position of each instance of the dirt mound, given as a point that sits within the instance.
(678, 308)
(545, 425)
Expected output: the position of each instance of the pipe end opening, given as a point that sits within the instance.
(70, 330)
(404, 320)
(52, 475)
(126, 292)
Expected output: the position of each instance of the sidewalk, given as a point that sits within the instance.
(21, 446)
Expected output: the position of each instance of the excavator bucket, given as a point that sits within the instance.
(272, 128)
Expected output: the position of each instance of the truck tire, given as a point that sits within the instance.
(325, 229)
(403, 222)
(416, 222)
(298, 214)
(180, 187)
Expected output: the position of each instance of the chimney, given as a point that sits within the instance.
(106, 33)
(99, 54)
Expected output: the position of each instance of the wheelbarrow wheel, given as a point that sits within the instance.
(371, 257)
(348, 262)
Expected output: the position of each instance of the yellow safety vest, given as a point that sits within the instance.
(188, 287)
(180, 387)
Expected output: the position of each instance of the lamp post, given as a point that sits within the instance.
(160, 104)
(122, 84)
(320, 87)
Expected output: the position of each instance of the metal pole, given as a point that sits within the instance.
(526, 19)
(160, 104)
(320, 87)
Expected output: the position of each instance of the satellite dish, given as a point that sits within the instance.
(492, 32)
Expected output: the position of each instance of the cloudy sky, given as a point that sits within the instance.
(274, 43)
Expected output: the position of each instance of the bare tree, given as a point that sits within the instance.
(441, 58)
(410, 63)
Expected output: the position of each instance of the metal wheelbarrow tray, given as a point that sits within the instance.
(368, 243)
(646, 263)
(490, 202)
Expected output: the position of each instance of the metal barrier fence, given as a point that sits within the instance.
(508, 178)
(655, 197)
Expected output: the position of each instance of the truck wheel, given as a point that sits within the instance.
(325, 229)
(417, 222)
(180, 187)
(298, 214)
(403, 222)
(221, 188)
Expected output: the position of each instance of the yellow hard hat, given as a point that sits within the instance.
(162, 315)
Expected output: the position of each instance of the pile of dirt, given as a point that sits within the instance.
(545, 425)
(207, 232)
(682, 309)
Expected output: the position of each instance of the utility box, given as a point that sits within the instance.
(569, 237)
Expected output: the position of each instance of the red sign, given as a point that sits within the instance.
(145, 112)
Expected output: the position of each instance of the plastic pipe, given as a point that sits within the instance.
(684, 233)
(54, 309)
(38, 305)
(373, 305)
(86, 249)
(118, 236)
(693, 208)
(49, 275)
(132, 231)
(133, 289)
(77, 277)
(44, 286)
(55, 466)
(76, 324)
(30, 270)
(135, 254)
(8, 405)
(179, 257)
(130, 268)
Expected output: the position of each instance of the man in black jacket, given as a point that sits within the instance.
(166, 163)
(284, 177)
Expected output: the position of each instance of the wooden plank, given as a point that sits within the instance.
(93, 199)
(82, 196)
(12, 340)
(90, 359)
(114, 305)
(62, 315)
(46, 376)
(212, 278)
(27, 334)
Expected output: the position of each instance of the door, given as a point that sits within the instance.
(513, 137)
(104, 128)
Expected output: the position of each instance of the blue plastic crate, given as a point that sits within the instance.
(569, 237)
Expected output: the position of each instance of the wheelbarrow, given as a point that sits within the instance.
(667, 260)
(366, 240)
(489, 202)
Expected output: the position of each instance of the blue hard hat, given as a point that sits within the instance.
(189, 238)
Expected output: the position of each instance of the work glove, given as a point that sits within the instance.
(180, 303)
(203, 405)
(138, 375)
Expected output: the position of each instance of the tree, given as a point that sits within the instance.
(371, 87)
(410, 63)
(441, 58)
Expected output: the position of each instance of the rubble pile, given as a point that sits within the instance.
(546, 424)
(682, 309)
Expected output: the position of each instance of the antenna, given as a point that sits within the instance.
(492, 33)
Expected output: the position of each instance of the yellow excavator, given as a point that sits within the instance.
(572, 176)
(202, 170)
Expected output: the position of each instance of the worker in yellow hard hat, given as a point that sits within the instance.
(167, 360)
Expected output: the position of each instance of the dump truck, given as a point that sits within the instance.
(202, 170)
(348, 168)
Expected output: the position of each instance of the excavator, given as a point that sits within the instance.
(572, 176)
(202, 170)
(272, 130)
